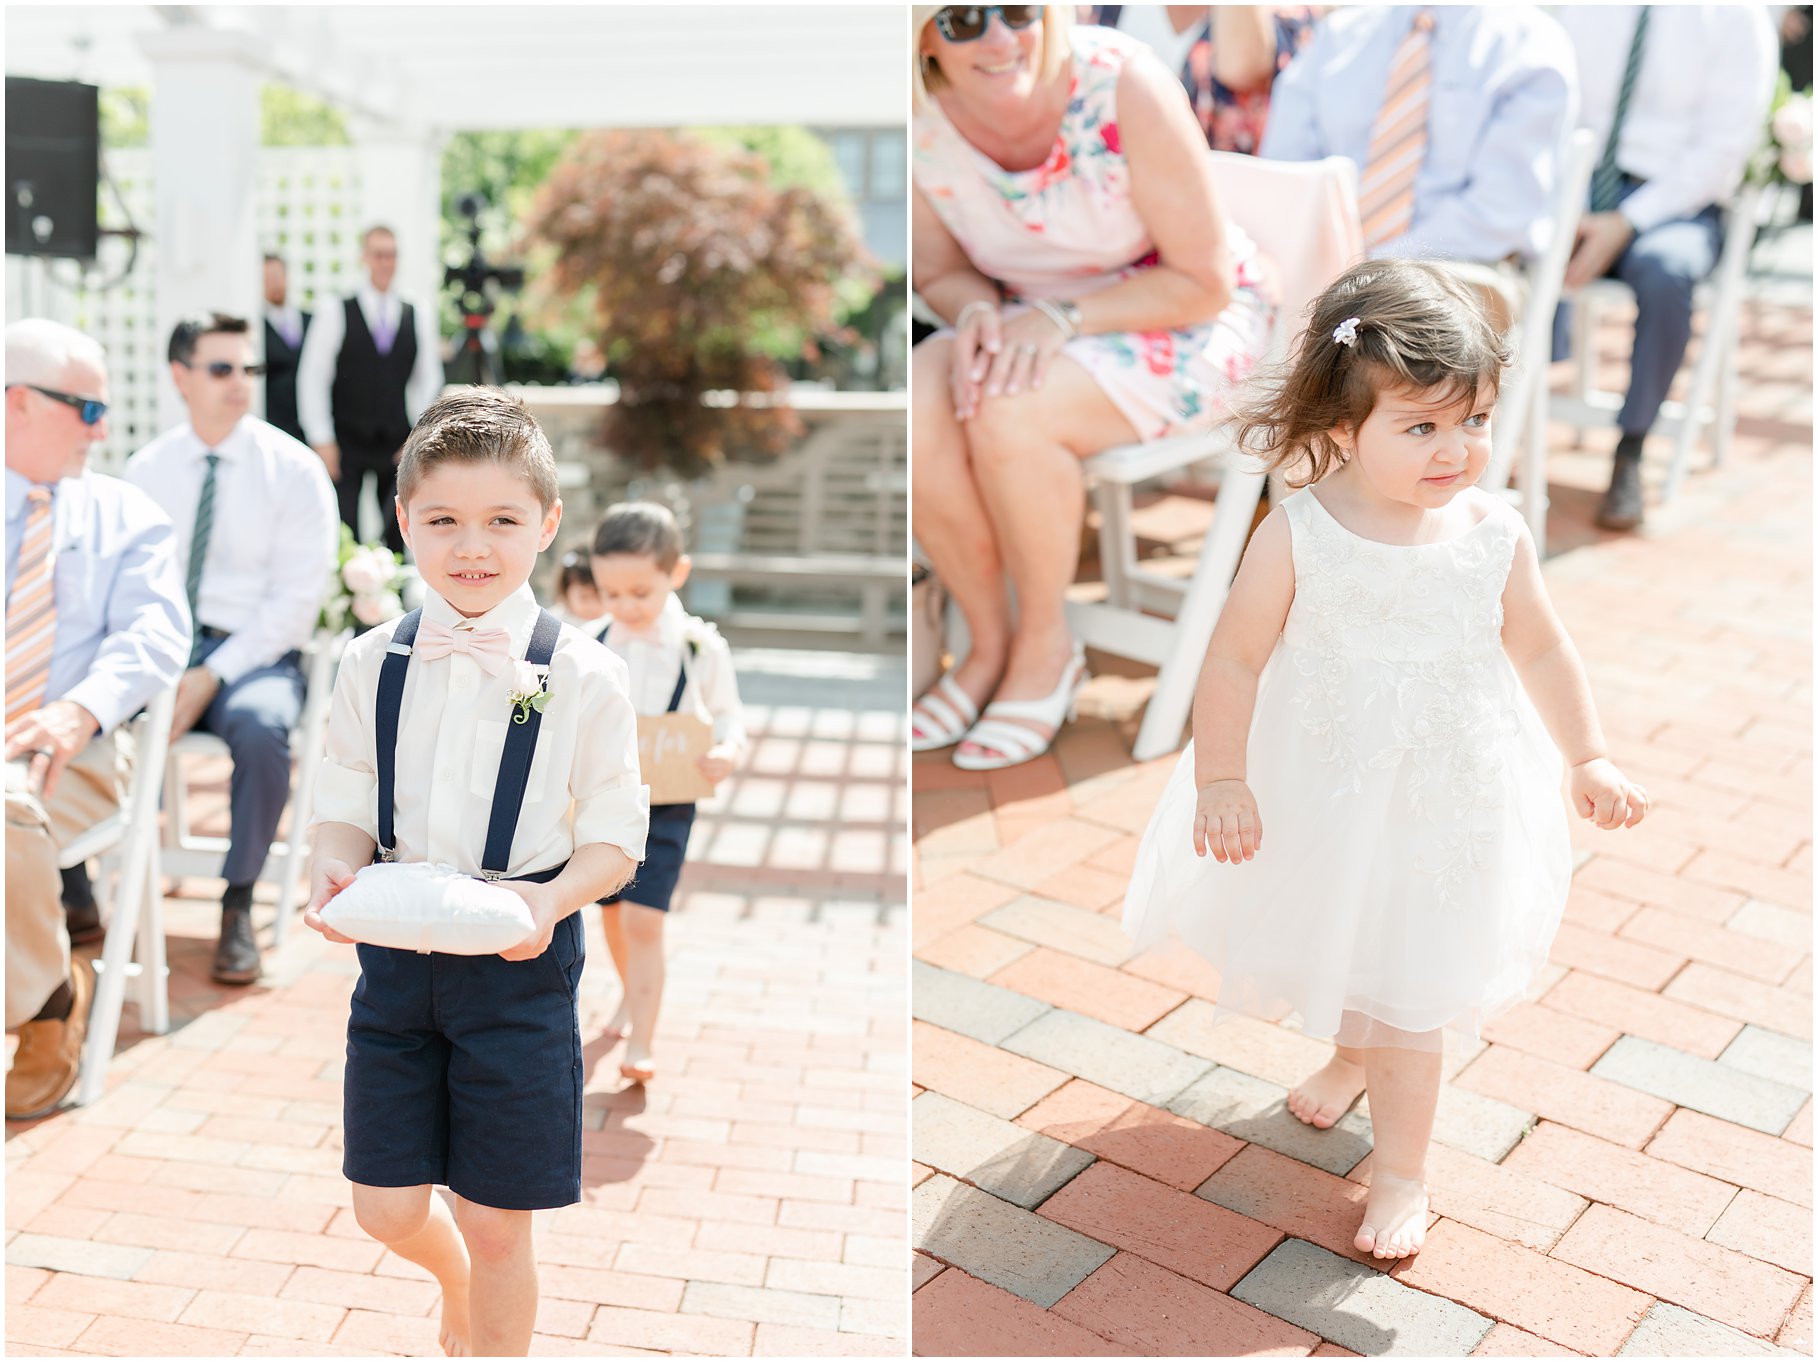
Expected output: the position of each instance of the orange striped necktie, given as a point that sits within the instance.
(31, 612)
(1398, 140)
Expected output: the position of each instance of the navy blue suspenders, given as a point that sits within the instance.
(514, 760)
(681, 673)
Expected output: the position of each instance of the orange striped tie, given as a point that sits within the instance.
(1398, 142)
(31, 612)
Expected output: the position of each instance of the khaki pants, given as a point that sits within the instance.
(92, 788)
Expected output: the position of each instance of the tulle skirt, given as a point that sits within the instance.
(1391, 899)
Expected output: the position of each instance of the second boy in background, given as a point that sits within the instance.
(678, 664)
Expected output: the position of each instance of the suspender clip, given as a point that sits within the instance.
(401, 649)
(491, 876)
(388, 853)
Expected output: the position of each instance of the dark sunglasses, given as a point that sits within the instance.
(220, 368)
(88, 408)
(966, 23)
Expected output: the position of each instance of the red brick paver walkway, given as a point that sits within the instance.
(1623, 1163)
(751, 1201)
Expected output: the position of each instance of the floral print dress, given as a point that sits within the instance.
(1069, 227)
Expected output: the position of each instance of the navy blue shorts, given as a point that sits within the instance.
(465, 1070)
(654, 883)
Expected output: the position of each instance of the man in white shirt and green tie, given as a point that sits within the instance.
(257, 536)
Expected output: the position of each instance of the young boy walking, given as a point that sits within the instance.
(476, 732)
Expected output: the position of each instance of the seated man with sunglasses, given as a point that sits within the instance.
(257, 535)
(95, 628)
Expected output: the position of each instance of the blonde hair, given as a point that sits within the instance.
(925, 73)
(1409, 324)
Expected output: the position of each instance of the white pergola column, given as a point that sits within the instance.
(401, 186)
(205, 150)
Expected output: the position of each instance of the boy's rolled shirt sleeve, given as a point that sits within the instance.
(720, 690)
(611, 801)
(347, 784)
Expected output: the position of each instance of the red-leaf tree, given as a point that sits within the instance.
(699, 273)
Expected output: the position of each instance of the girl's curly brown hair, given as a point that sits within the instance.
(1417, 326)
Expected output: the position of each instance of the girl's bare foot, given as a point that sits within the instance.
(455, 1328)
(618, 1028)
(1322, 1098)
(638, 1067)
(1395, 1217)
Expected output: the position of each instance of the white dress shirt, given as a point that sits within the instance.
(322, 350)
(584, 784)
(272, 543)
(1707, 73)
(712, 693)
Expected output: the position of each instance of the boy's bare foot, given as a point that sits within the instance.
(1322, 1098)
(456, 1331)
(1395, 1217)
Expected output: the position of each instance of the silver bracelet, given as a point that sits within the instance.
(1061, 320)
(959, 323)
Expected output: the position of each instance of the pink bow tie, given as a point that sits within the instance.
(490, 648)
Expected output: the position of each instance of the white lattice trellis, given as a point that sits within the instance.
(308, 212)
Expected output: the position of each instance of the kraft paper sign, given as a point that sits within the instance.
(668, 746)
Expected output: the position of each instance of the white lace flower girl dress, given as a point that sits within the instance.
(1415, 859)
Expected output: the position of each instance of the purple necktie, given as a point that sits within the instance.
(293, 332)
(384, 333)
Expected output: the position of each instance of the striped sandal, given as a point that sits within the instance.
(941, 717)
(1013, 744)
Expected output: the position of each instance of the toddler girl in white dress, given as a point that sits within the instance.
(1374, 697)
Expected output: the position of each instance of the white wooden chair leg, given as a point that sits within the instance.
(1534, 497)
(1172, 702)
(154, 967)
(1725, 425)
(110, 985)
(1116, 540)
(1698, 400)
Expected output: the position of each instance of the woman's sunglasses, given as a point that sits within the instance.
(965, 23)
(220, 368)
(88, 408)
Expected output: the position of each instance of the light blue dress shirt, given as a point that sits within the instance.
(1503, 98)
(122, 620)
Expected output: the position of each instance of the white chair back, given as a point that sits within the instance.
(1523, 398)
(1303, 216)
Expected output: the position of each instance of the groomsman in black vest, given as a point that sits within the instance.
(368, 367)
(285, 328)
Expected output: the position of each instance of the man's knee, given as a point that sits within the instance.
(391, 1214)
(256, 735)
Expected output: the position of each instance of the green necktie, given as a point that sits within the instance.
(1606, 180)
(198, 551)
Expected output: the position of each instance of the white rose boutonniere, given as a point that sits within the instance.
(531, 691)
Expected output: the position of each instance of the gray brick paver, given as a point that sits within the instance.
(996, 1242)
(82, 1256)
(982, 1011)
(1358, 1307)
(1107, 1055)
(1669, 1331)
(1022, 1166)
(1256, 1110)
(1771, 1055)
(1705, 1085)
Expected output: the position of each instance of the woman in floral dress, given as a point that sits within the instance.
(1067, 228)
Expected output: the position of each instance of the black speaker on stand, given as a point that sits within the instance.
(53, 168)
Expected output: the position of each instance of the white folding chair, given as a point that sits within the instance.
(1303, 215)
(1710, 405)
(134, 905)
(186, 852)
(1523, 409)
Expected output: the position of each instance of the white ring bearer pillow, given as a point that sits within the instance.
(419, 906)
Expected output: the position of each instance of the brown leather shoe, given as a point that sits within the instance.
(50, 1054)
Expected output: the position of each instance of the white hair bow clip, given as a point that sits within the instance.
(1346, 332)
